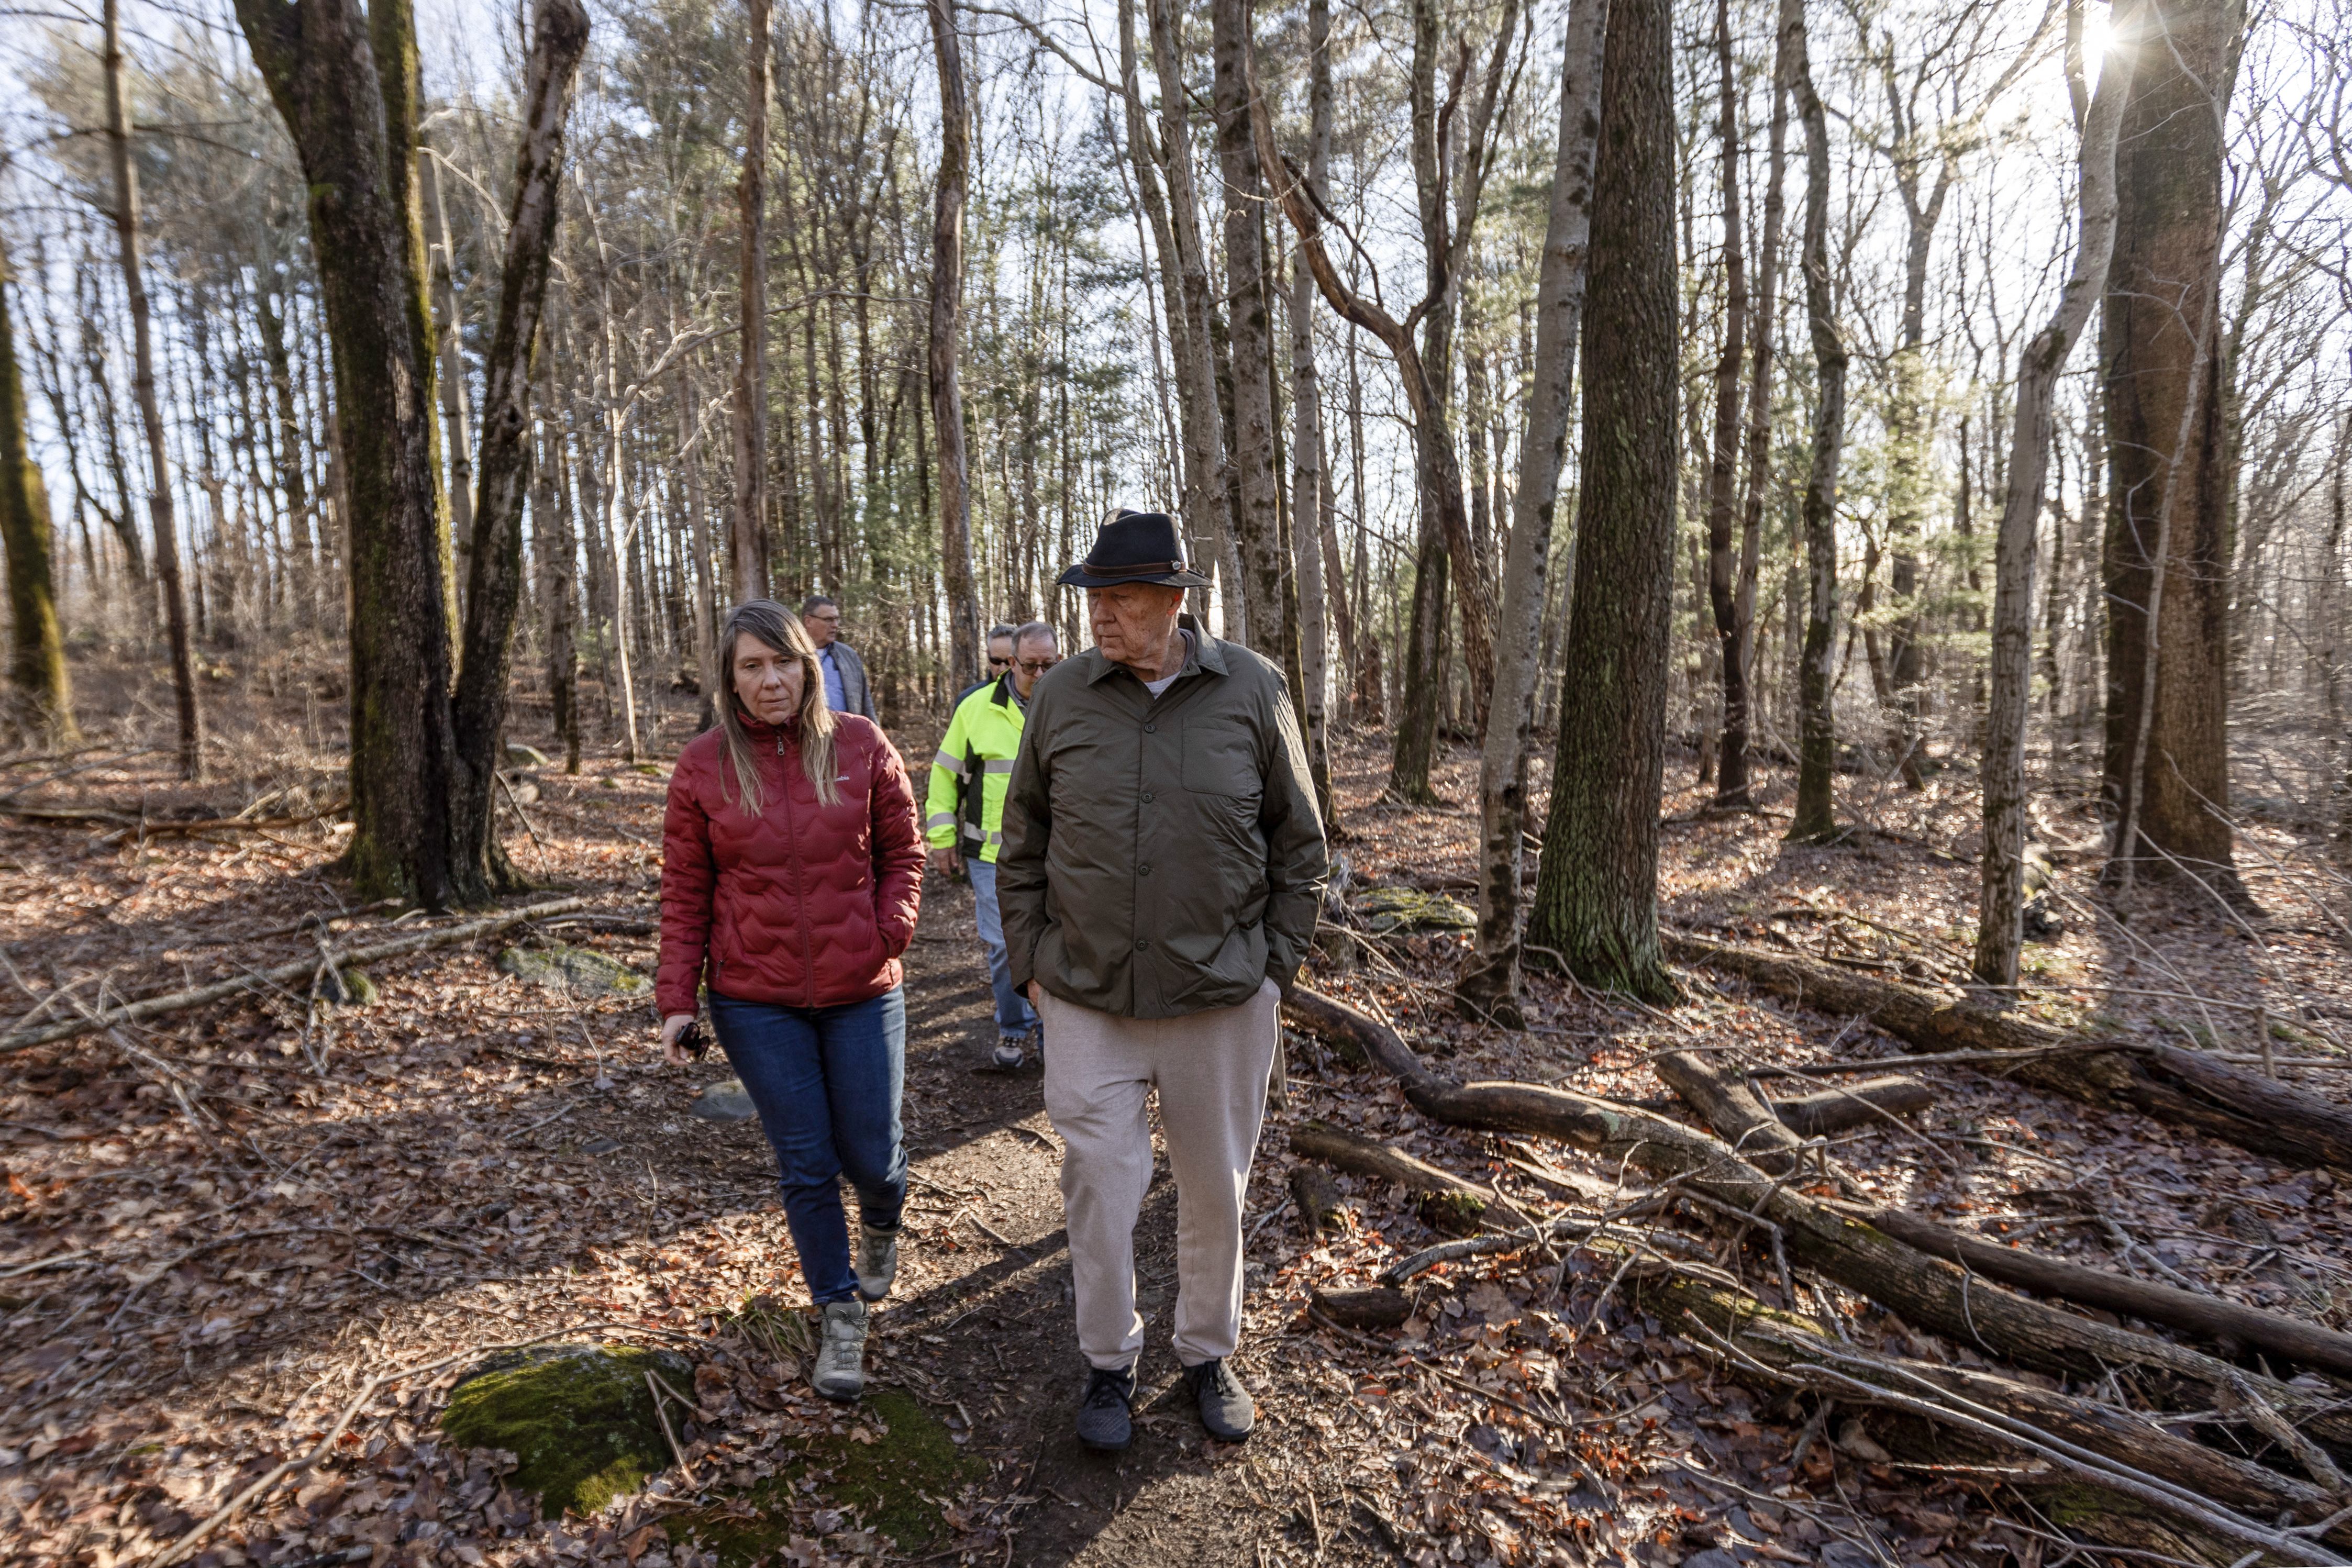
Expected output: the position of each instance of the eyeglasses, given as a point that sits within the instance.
(996, 663)
(1036, 667)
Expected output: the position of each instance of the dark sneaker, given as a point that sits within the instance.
(1105, 1424)
(1226, 1407)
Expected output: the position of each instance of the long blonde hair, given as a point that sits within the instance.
(772, 624)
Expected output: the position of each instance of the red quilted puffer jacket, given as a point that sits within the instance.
(804, 905)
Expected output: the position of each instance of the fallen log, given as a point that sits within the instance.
(1735, 1111)
(1931, 1292)
(1444, 1201)
(1746, 1335)
(2214, 1317)
(1739, 1119)
(2189, 1089)
(301, 970)
(1867, 1103)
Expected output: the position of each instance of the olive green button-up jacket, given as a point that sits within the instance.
(1161, 856)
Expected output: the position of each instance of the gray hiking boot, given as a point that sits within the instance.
(840, 1370)
(1008, 1053)
(877, 1261)
(1105, 1424)
(1225, 1406)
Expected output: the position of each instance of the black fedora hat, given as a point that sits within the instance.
(1135, 547)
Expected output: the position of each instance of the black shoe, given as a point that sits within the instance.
(1225, 1406)
(1104, 1421)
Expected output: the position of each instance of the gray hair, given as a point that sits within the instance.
(1029, 631)
(1000, 629)
(810, 605)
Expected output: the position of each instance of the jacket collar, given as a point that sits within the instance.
(760, 730)
(1003, 695)
(1203, 652)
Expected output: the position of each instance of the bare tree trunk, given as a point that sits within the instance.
(1736, 742)
(159, 473)
(1817, 755)
(559, 563)
(747, 520)
(494, 588)
(947, 304)
(1310, 487)
(327, 65)
(40, 707)
(1596, 901)
(1722, 496)
(2001, 906)
(2167, 763)
(449, 338)
(1257, 526)
(1489, 982)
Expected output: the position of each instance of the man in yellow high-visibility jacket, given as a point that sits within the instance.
(964, 817)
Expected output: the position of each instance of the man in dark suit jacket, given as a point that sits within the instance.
(846, 689)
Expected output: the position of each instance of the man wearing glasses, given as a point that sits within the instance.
(967, 806)
(999, 659)
(846, 689)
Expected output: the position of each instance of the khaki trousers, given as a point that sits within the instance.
(1211, 1070)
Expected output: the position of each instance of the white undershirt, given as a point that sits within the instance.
(1164, 682)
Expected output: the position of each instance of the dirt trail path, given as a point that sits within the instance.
(982, 1330)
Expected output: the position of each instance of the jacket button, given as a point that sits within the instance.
(1143, 871)
(1151, 730)
(1147, 796)
(1140, 944)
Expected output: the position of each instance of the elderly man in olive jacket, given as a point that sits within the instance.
(1161, 872)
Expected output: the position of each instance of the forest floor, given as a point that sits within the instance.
(218, 1228)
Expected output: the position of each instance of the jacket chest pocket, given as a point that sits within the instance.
(1221, 759)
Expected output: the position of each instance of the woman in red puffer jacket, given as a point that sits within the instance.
(791, 872)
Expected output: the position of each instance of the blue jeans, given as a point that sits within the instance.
(1015, 1016)
(826, 1082)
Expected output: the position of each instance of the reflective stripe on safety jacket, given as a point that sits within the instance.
(983, 738)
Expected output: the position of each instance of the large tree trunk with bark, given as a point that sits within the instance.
(1817, 746)
(947, 309)
(1596, 904)
(39, 706)
(1176, 229)
(327, 63)
(1490, 980)
(2000, 909)
(160, 511)
(494, 588)
(747, 521)
(2166, 769)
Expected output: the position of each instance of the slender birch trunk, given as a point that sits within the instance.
(2002, 907)
(1489, 982)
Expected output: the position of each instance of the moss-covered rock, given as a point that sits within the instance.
(877, 1472)
(579, 971)
(1389, 910)
(348, 987)
(578, 1418)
